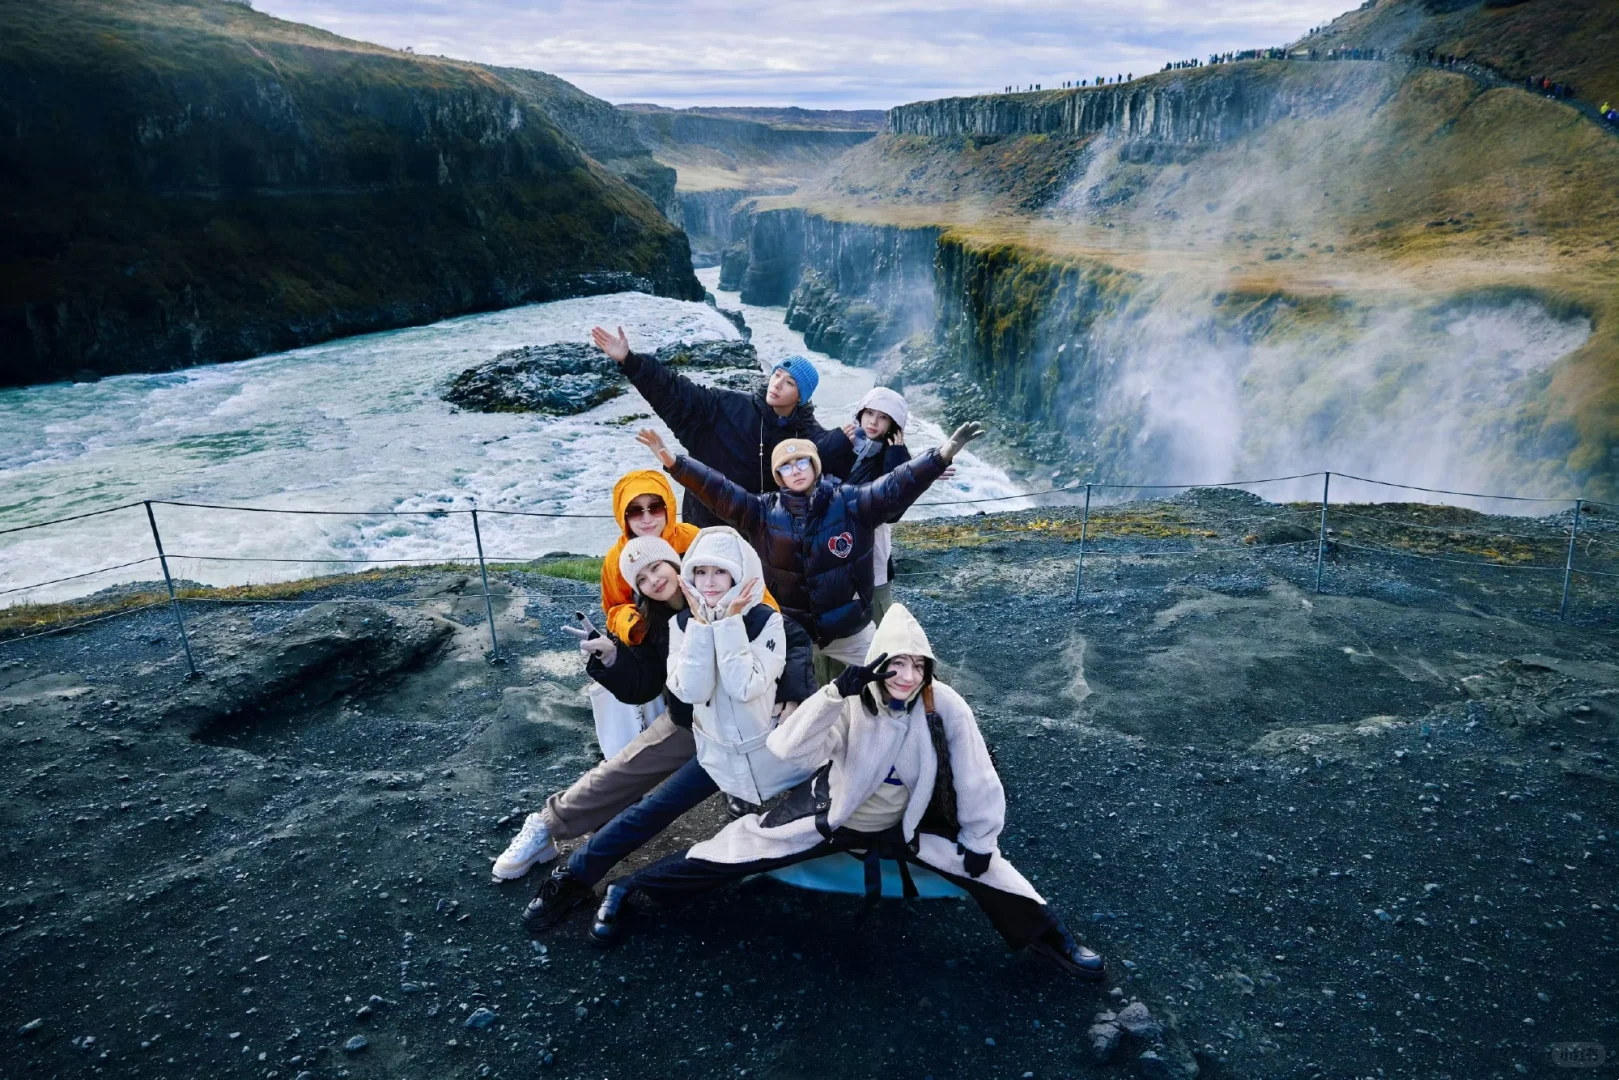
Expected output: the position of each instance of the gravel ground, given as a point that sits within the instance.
(1365, 832)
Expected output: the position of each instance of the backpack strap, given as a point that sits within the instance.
(927, 699)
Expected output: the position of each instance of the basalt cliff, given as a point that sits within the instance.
(188, 181)
(1375, 266)
(724, 156)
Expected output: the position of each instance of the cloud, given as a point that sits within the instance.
(836, 54)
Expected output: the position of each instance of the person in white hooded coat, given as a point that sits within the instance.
(875, 739)
(726, 654)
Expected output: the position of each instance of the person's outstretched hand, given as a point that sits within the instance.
(616, 347)
(654, 442)
(964, 434)
(743, 599)
(851, 680)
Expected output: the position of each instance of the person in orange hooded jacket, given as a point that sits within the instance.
(643, 505)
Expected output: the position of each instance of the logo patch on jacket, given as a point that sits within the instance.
(841, 545)
(770, 643)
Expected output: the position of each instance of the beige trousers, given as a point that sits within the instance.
(596, 797)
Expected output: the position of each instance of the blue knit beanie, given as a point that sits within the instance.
(803, 373)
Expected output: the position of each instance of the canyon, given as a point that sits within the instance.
(1242, 266)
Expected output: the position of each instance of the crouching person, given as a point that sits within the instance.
(901, 772)
(727, 653)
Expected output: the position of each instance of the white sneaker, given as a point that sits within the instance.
(531, 846)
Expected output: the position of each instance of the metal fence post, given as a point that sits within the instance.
(1321, 543)
(174, 603)
(1084, 530)
(1568, 564)
(488, 605)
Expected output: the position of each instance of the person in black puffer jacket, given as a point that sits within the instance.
(814, 535)
(732, 432)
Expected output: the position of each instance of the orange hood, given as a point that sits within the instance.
(646, 482)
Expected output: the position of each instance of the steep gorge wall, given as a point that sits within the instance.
(191, 183)
(1205, 105)
(853, 289)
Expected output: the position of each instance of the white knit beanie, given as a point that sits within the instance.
(887, 401)
(642, 552)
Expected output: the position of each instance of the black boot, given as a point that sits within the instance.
(559, 894)
(608, 917)
(1058, 946)
(738, 808)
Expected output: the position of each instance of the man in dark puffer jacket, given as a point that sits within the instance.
(733, 432)
(814, 535)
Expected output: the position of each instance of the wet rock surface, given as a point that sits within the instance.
(1312, 834)
(566, 378)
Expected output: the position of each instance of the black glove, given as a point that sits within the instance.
(852, 680)
(976, 865)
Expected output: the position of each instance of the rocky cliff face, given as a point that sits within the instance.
(665, 126)
(852, 289)
(601, 130)
(1203, 106)
(707, 217)
(188, 183)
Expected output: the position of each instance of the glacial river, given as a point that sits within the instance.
(355, 424)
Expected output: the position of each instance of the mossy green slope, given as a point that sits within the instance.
(187, 181)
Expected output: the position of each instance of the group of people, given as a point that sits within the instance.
(760, 627)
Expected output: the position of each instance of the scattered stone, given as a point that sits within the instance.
(710, 355)
(1155, 1066)
(31, 1027)
(409, 988)
(364, 1012)
(1138, 1021)
(480, 1019)
(1104, 1039)
(356, 1044)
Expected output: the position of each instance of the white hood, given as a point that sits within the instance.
(723, 546)
(885, 400)
(899, 634)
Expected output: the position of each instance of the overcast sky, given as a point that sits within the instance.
(815, 53)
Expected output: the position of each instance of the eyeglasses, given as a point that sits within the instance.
(797, 465)
(644, 511)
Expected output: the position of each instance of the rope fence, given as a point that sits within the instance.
(1092, 542)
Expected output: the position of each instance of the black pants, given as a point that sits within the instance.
(677, 878)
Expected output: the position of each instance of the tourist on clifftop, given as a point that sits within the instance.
(815, 535)
(900, 772)
(732, 431)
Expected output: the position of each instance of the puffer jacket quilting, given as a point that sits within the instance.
(816, 548)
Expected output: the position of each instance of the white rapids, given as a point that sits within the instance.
(357, 425)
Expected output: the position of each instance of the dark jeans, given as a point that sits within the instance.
(677, 878)
(634, 826)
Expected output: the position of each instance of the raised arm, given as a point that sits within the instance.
(731, 502)
(889, 496)
(688, 409)
(805, 737)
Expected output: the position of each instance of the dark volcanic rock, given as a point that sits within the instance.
(706, 355)
(323, 652)
(559, 379)
(565, 378)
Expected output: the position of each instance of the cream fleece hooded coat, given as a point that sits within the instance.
(862, 748)
(727, 670)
